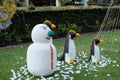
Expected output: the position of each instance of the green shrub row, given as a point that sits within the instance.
(82, 20)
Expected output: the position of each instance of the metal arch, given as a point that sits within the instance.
(105, 18)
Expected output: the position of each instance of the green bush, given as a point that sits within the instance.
(31, 7)
(81, 20)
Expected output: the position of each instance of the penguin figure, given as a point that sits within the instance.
(95, 51)
(69, 53)
(41, 54)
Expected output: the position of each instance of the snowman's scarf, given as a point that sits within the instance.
(51, 53)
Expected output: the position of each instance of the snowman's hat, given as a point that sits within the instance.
(50, 24)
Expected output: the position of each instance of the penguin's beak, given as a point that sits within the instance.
(53, 26)
(101, 40)
(71, 61)
(49, 23)
(77, 34)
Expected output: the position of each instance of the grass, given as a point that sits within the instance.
(15, 59)
(11, 58)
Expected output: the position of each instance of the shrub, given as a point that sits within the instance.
(81, 20)
(31, 7)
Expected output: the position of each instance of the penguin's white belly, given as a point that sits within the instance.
(96, 56)
(71, 53)
(72, 49)
(39, 60)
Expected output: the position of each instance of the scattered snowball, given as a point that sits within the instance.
(116, 39)
(17, 62)
(85, 74)
(102, 49)
(64, 69)
(21, 57)
(117, 65)
(77, 72)
(114, 61)
(21, 46)
(95, 75)
(108, 74)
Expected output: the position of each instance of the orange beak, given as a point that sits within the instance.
(77, 34)
(53, 26)
(101, 40)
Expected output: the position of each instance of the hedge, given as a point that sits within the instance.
(82, 20)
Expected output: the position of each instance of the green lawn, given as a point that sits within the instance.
(13, 61)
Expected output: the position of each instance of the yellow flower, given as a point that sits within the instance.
(10, 8)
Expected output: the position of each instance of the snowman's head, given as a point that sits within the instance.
(41, 33)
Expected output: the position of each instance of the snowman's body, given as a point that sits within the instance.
(41, 54)
(71, 52)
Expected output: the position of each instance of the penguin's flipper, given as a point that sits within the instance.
(92, 51)
(66, 47)
(89, 59)
(63, 57)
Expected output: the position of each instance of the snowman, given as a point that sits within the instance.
(41, 54)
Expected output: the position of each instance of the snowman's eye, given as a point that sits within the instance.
(44, 28)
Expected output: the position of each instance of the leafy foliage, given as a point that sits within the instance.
(81, 20)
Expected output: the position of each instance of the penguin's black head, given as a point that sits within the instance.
(73, 34)
(97, 41)
(49, 23)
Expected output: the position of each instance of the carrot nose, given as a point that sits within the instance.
(50, 33)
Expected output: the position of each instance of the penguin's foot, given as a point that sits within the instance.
(97, 62)
(71, 61)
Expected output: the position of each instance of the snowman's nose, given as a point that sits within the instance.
(50, 33)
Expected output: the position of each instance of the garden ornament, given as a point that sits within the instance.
(7, 11)
(95, 51)
(41, 54)
(69, 53)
